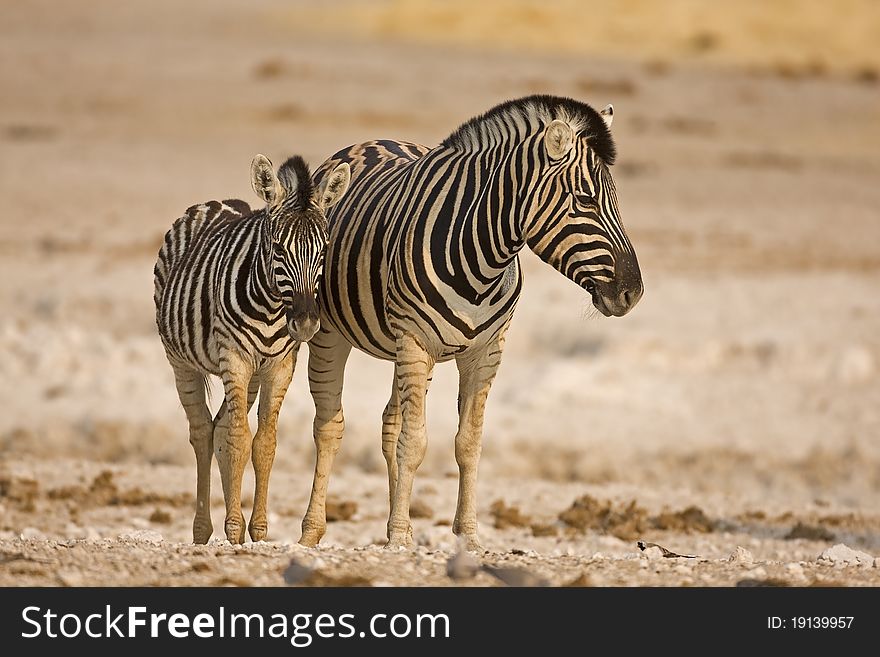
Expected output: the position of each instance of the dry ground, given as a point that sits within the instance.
(737, 406)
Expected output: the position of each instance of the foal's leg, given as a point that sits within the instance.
(221, 433)
(273, 386)
(191, 390)
(414, 365)
(328, 353)
(237, 374)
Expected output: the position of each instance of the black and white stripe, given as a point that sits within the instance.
(228, 275)
(422, 267)
(235, 296)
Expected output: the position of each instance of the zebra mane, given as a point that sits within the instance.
(487, 129)
(294, 176)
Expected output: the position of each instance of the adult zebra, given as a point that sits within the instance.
(422, 267)
(235, 297)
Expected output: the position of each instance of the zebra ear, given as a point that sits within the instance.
(608, 114)
(264, 180)
(558, 138)
(334, 186)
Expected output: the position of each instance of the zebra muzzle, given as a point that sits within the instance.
(302, 320)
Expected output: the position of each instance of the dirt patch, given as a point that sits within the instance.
(160, 517)
(625, 521)
(20, 491)
(628, 521)
(507, 516)
(691, 519)
(103, 491)
(810, 532)
(539, 529)
(418, 508)
(340, 510)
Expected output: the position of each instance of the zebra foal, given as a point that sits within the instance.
(235, 298)
(422, 267)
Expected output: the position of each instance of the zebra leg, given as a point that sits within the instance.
(221, 433)
(328, 353)
(414, 366)
(273, 386)
(391, 422)
(191, 390)
(390, 433)
(476, 371)
(237, 379)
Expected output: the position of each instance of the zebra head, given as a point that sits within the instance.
(574, 224)
(298, 234)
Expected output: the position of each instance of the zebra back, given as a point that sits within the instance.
(198, 220)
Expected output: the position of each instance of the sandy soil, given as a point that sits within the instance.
(736, 411)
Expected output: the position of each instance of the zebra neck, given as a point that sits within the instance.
(486, 231)
(261, 278)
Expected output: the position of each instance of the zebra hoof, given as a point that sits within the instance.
(312, 531)
(235, 530)
(399, 541)
(471, 543)
(202, 533)
(258, 531)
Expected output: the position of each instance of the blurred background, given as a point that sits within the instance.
(749, 161)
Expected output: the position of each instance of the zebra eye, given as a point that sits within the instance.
(584, 198)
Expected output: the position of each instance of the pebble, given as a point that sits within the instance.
(843, 555)
(795, 570)
(462, 565)
(142, 536)
(741, 555)
(31, 533)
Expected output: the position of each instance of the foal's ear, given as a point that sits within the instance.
(608, 114)
(264, 180)
(334, 186)
(558, 139)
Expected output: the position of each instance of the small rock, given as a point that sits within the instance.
(757, 573)
(462, 565)
(741, 555)
(795, 570)
(142, 536)
(32, 533)
(513, 576)
(843, 554)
